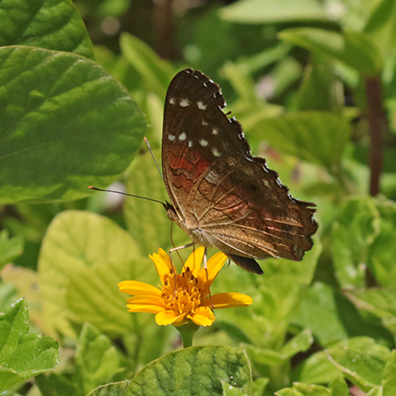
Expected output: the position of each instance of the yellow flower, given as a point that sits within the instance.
(182, 297)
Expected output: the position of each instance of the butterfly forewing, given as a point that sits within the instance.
(221, 195)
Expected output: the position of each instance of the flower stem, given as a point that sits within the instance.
(187, 333)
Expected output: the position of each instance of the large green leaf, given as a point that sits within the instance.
(23, 355)
(194, 371)
(82, 259)
(51, 24)
(65, 124)
(317, 137)
(267, 11)
(352, 48)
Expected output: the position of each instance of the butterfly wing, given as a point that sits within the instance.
(222, 196)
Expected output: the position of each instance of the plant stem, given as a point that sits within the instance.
(187, 333)
(377, 123)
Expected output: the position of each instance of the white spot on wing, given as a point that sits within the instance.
(215, 131)
(216, 152)
(171, 137)
(182, 136)
(211, 177)
(204, 122)
(172, 101)
(203, 142)
(201, 105)
(189, 143)
(184, 103)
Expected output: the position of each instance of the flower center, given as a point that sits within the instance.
(183, 292)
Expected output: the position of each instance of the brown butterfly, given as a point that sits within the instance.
(220, 195)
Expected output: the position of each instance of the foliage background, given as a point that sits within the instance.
(313, 84)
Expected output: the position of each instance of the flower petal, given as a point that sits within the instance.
(227, 300)
(145, 304)
(215, 264)
(194, 261)
(144, 308)
(138, 288)
(202, 316)
(150, 300)
(167, 317)
(162, 263)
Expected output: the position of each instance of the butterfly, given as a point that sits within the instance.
(222, 196)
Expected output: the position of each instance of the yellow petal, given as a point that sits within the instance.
(165, 256)
(145, 304)
(161, 261)
(215, 264)
(202, 316)
(144, 308)
(151, 300)
(227, 300)
(165, 318)
(138, 288)
(194, 261)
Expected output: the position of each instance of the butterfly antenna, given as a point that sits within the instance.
(152, 156)
(128, 195)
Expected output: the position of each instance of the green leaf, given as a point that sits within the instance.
(381, 26)
(315, 369)
(82, 259)
(299, 343)
(192, 370)
(55, 385)
(338, 387)
(300, 389)
(66, 124)
(320, 89)
(96, 357)
(266, 11)
(51, 24)
(155, 72)
(361, 360)
(354, 49)
(389, 377)
(10, 248)
(147, 221)
(115, 389)
(357, 224)
(375, 392)
(23, 355)
(316, 137)
(379, 302)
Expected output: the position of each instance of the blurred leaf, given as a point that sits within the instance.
(379, 302)
(96, 357)
(353, 232)
(155, 72)
(354, 49)
(316, 137)
(377, 391)
(275, 296)
(23, 356)
(285, 73)
(55, 385)
(389, 377)
(266, 11)
(82, 259)
(114, 389)
(322, 304)
(65, 125)
(10, 248)
(320, 90)
(300, 389)
(26, 282)
(381, 26)
(317, 368)
(299, 343)
(51, 24)
(8, 295)
(361, 360)
(172, 373)
(382, 253)
(338, 387)
(259, 386)
(147, 221)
